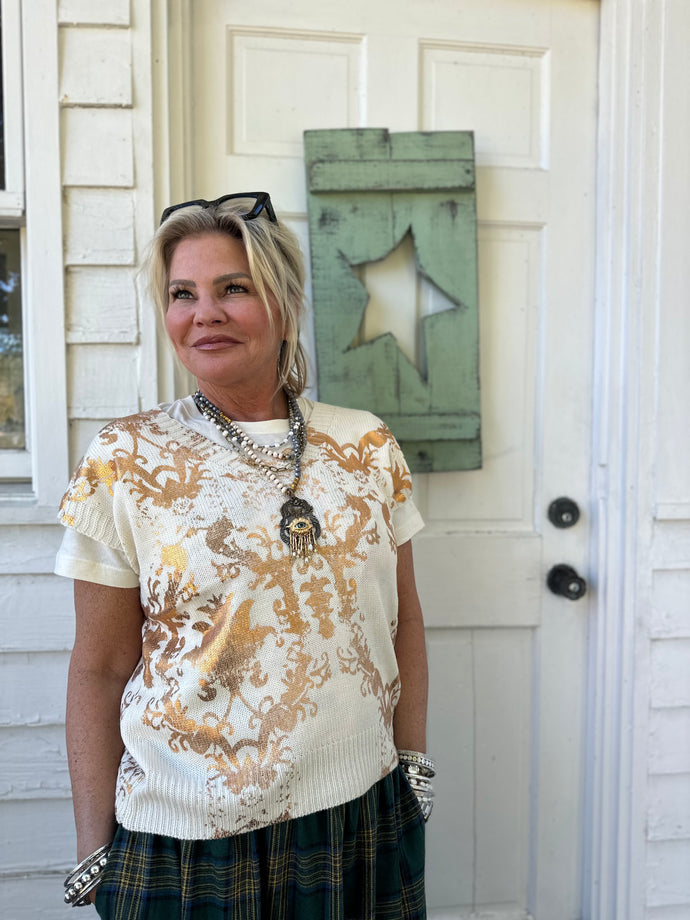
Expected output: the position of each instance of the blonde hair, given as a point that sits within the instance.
(275, 263)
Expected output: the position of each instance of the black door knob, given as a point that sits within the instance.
(564, 580)
(563, 512)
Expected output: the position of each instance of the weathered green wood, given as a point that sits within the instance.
(431, 145)
(394, 175)
(367, 189)
(437, 426)
(442, 456)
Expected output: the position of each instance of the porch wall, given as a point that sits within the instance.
(104, 49)
(667, 626)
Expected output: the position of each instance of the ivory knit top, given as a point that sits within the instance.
(267, 684)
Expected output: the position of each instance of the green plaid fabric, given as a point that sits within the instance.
(360, 861)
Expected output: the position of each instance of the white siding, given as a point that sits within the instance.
(86, 132)
(105, 64)
(101, 12)
(668, 782)
(114, 319)
(35, 811)
(668, 625)
(96, 67)
(108, 370)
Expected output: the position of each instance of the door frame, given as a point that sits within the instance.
(628, 274)
(630, 68)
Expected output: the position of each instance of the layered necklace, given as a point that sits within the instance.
(299, 526)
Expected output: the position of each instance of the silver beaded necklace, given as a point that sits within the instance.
(299, 526)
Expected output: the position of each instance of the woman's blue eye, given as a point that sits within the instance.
(233, 287)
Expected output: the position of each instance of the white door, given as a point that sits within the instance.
(507, 656)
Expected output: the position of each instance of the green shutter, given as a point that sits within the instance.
(366, 190)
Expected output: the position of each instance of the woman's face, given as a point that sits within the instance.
(215, 318)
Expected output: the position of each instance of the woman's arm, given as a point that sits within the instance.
(107, 648)
(409, 722)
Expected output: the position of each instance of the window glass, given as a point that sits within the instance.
(11, 351)
(2, 117)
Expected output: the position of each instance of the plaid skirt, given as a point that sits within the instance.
(360, 861)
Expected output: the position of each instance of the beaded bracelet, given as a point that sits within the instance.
(419, 770)
(418, 763)
(85, 877)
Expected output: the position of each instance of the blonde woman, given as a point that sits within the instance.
(247, 690)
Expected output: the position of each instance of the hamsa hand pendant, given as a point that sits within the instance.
(299, 526)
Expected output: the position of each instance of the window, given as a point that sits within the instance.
(33, 412)
(12, 429)
(15, 461)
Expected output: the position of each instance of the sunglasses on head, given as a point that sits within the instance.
(257, 203)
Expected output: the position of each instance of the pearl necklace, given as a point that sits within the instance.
(299, 526)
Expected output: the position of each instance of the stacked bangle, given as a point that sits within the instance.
(85, 877)
(419, 770)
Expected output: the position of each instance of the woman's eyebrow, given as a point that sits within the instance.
(230, 277)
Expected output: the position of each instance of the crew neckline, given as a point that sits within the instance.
(201, 430)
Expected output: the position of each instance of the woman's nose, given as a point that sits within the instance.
(208, 310)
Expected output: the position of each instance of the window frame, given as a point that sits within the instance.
(15, 464)
(12, 196)
(33, 480)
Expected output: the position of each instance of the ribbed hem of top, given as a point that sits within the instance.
(323, 778)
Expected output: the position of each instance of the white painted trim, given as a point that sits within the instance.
(14, 464)
(631, 58)
(143, 125)
(173, 149)
(43, 278)
(13, 197)
(11, 208)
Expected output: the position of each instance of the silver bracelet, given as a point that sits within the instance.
(417, 763)
(421, 785)
(85, 877)
(426, 804)
(419, 770)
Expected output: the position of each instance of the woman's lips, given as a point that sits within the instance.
(213, 342)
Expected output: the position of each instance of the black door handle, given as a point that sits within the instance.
(563, 512)
(564, 580)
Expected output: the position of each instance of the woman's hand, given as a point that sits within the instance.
(409, 722)
(107, 648)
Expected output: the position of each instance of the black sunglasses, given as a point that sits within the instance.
(261, 203)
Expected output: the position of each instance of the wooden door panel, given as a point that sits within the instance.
(479, 579)
(481, 681)
(321, 71)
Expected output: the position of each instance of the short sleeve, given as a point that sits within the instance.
(406, 519)
(92, 505)
(88, 560)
